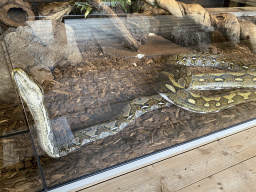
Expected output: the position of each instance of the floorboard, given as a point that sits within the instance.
(190, 169)
(241, 177)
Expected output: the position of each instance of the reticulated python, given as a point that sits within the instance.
(175, 86)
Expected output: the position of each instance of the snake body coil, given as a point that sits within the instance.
(175, 86)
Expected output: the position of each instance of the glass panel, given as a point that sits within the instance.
(87, 83)
(19, 170)
(11, 113)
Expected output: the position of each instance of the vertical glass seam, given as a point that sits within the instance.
(8, 60)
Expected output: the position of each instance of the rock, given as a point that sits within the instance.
(168, 5)
(9, 30)
(217, 37)
(26, 49)
(248, 34)
(213, 50)
(40, 74)
(42, 45)
(197, 13)
(7, 91)
(228, 25)
(36, 46)
(60, 38)
(22, 50)
(139, 27)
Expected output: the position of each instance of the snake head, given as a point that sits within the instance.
(29, 90)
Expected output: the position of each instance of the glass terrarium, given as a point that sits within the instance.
(89, 85)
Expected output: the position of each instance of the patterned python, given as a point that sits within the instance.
(174, 86)
(32, 93)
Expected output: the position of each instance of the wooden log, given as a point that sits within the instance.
(15, 13)
(128, 39)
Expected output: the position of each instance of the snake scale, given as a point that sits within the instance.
(175, 85)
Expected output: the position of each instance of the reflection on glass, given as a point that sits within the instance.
(11, 116)
(18, 166)
(95, 80)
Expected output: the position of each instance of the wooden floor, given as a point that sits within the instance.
(226, 164)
